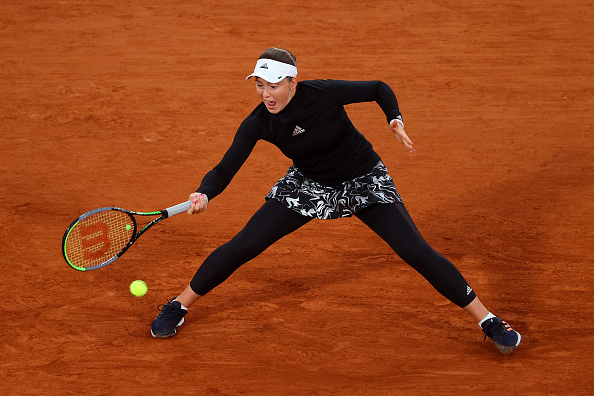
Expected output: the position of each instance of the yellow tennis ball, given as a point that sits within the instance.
(138, 288)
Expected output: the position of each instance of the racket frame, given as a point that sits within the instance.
(163, 214)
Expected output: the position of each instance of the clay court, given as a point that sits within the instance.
(128, 104)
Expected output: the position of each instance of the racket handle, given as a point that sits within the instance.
(177, 209)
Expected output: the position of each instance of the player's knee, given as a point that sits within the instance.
(247, 247)
(418, 254)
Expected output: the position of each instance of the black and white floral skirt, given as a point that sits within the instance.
(313, 199)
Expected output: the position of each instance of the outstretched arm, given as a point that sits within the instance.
(218, 178)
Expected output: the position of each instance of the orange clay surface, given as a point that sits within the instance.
(129, 103)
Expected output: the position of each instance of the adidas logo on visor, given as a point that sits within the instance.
(268, 68)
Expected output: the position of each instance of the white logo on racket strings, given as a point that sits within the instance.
(298, 130)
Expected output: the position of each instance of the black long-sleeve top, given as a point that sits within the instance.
(313, 130)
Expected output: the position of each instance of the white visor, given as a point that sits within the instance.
(273, 71)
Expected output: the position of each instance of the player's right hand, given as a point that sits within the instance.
(199, 203)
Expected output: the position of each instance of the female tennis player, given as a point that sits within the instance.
(335, 173)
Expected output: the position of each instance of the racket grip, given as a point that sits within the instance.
(177, 209)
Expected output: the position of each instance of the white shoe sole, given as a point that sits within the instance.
(170, 335)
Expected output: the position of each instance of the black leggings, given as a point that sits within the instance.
(390, 221)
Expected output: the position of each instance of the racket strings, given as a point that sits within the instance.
(98, 238)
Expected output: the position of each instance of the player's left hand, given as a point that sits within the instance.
(398, 130)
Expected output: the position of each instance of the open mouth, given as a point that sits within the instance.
(269, 104)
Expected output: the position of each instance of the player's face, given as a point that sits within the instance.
(276, 96)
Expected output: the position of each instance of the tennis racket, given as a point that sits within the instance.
(101, 236)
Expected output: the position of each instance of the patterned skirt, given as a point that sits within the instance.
(313, 199)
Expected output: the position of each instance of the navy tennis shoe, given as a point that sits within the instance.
(503, 336)
(169, 319)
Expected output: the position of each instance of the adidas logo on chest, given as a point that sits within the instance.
(298, 130)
